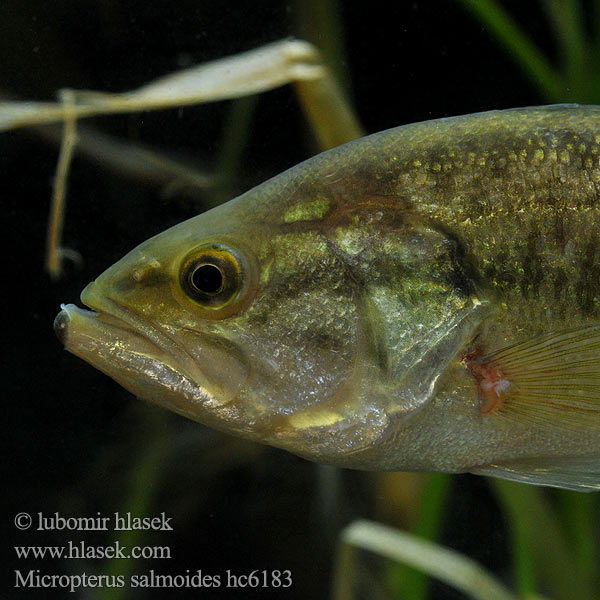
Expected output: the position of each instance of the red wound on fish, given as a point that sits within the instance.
(492, 384)
(552, 380)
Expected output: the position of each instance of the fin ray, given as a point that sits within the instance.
(581, 474)
(553, 380)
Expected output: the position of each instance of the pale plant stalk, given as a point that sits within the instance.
(442, 563)
(57, 206)
(274, 65)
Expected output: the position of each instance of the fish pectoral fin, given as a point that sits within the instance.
(580, 473)
(550, 381)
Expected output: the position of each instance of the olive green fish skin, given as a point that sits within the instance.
(373, 268)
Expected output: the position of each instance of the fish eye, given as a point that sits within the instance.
(212, 276)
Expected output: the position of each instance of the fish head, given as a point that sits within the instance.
(242, 318)
(303, 316)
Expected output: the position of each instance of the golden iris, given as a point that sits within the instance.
(212, 276)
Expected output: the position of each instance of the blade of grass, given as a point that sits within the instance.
(581, 516)
(566, 18)
(540, 542)
(596, 27)
(411, 583)
(429, 524)
(145, 474)
(523, 562)
(447, 565)
(234, 140)
(595, 53)
(526, 54)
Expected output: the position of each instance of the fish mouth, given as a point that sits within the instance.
(140, 355)
(123, 317)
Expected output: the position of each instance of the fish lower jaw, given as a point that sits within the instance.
(122, 352)
(62, 322)
(163, 375)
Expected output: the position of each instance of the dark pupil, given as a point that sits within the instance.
(208, 279)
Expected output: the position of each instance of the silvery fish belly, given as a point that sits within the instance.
(426, 298)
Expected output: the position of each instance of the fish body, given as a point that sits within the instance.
(425, 298)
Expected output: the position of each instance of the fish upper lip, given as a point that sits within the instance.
(111, 310)
(122, 316)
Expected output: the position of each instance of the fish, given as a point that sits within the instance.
(426, 298)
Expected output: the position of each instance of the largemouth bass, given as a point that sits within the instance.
(425, 298)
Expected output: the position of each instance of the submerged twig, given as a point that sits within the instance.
(57, 206)
(274, 65)
(245, 74)
(129, 159)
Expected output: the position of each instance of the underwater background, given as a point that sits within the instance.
(81, 446)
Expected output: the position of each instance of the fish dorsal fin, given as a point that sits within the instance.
(581, 473)
(552, 380)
